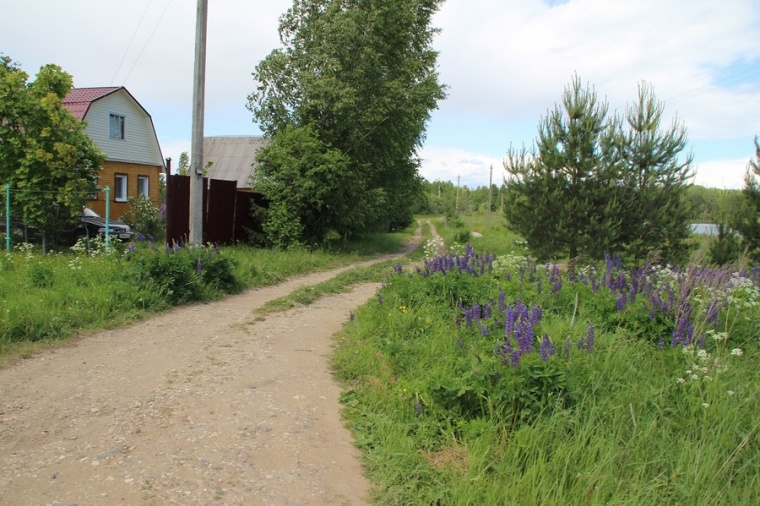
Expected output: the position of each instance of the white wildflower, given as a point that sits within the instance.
(737, 351)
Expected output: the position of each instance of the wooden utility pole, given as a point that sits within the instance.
(490, 183)
(199, 95)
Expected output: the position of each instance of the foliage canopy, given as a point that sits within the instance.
(355, 81)
(45, 154)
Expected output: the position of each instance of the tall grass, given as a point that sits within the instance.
(483, 380)
(45, 298)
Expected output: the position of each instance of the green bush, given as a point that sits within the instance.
(184, 274)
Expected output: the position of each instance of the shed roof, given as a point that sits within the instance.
(233, 157)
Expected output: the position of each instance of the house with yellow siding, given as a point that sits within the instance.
(124, 131)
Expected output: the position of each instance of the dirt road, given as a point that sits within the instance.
(203, 405)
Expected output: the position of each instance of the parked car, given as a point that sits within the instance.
(92, 225)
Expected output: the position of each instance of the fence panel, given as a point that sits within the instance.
(220, 220)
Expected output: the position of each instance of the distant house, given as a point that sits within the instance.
(232, 158)
(124, 131)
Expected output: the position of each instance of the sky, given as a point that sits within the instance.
(505, 62)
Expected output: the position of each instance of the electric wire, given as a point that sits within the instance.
(129, 46)
(158, 23)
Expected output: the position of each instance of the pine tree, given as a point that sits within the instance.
(655, 180)
(747, 222)
(559, 197)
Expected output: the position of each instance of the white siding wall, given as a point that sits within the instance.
(139, 145)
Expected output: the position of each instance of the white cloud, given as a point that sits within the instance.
(506, 62)
(446, 164)
(725, 174)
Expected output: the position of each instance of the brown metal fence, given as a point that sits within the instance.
(226, 211)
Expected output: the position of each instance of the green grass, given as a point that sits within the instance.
(48, 298)
(441, 420)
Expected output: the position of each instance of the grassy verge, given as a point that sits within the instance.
(496, 381)
(47, 298)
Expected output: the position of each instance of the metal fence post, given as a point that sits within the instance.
(7, 217)
(108, 216)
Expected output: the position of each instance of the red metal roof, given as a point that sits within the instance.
(79, 99)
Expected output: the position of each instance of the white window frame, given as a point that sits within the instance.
(120, 189)
(117, 124)
(143, 186)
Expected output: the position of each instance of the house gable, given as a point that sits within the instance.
(95, 106)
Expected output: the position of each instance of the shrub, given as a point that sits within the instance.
(184, 274)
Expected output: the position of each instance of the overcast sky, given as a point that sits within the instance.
(506, 63)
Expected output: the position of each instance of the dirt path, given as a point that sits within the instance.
(202, 405)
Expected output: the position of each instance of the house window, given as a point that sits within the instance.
(116, 127)
(120, 188)
(143, 186)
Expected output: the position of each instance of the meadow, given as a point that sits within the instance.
(45, 299)
(483, 378)
(477, 376)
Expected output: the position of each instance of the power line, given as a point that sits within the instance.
(735, 78)
(148, 41)
(129, 46)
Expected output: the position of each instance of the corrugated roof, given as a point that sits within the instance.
(233, 157)
(79, 99)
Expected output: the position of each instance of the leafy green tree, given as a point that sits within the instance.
(45, 155)
(359, 77)
(654, 181)
(747, 222)
(306, 183)
(560, 196)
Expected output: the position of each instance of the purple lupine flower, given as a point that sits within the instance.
(509, 321)
(502, 303)
(539, 286)
(515, 359)
(198, 266)
(131, 248)
(166, 248)
(460, 344)
(468, 318)
(557, 286)
(458, 321)
(399, 268)
(679, 332)
(661, 344)
(379, 298)
(701, 341)
(484, 331)
(568, 345)
(621, 301)
(590, 338)
(536, 314)
(476, 312)
(712, 312)
(488, 310)
(546, 348)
